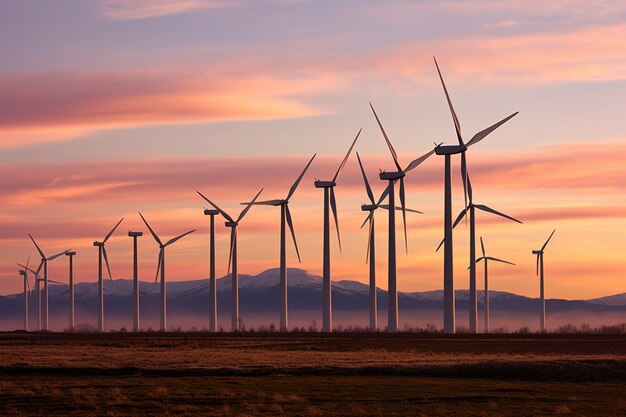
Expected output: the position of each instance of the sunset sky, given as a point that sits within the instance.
(110, 107)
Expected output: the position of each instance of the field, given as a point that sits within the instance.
(309, 374)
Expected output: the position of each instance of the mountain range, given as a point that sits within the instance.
(259, 298)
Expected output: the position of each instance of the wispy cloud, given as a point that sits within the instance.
(144, 9)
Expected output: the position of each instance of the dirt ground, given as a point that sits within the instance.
(310, 374)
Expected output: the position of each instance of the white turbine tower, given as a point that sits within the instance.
(24, 273)
(542, 298)
(371, 242)
(135, 235)
(232, 258)
(487, 259)
(161, 267)
(70, 255)
(285, 219)
(102, 252)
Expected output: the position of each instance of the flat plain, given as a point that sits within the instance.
(343, 374)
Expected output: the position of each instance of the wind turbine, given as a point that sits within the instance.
(161, 267)
(212, 282)
(542, 307)
(232, 258)
(487, 259)
(371, 243)
(330, 201)
(285, 216)
(392, 177)
(71, 255)
(449, 150)
(135, 235)
(24, 273)
(44, 265)
(103, 252)
(471, 208)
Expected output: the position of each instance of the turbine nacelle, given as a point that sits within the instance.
(22, 272)
(135, 234)
(98, 243)
(369, 207)
(537, 252)
(390, 176)
(450, 149)
(231, 224)
(324, 184)
(70, 253)
(210, 212)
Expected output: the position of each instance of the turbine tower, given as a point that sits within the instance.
(24, 273)
(212, 283)
(135, 235)
(161, 267)
(232, 258)
(471, 209)
(392, 177)
(44, 265)
(285, 216)
(447, 151)
(542, 306)
(330, 203)
(487, 259)
(371, 242)
(102, 252)
(71, 255)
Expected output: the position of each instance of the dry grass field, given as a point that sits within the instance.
(310, 374)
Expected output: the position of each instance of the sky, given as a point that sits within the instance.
(111, 107)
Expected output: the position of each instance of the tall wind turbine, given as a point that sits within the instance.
(161, 267)
(371, 243)
(330, 202)
(135, 235)
(542, 306)
(212, 282)
(70, 255)
(449, 150)
(24, 273)
(471, 208)
(392, 177)
(232, 258)
(102, 252)
(44, 265)
(487, 259)
(285, 217)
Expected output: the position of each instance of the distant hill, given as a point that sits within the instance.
(259, 296)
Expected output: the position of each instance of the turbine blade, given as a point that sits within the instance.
(293, 233)
(546, 244)
(275, 202)
(369, 238)
(55, 282)
(500, 260)
(440, 244)
(112, 231)
(27, 262)
(297, 182)
(384, 195)
(366, 219)
(172, 240)
(245, 210)
(222, 212)
(53, 257)
(464, 178)
(497, 213)
(386, 207)
(159, 262)
(154, 235)
(106, 261)
(469, 190)
(368, 189)
(27, 283)
(483, 133)
(345, 159)
(39, 269)
(403, 206)
(233, 236)
(394, 155)
(482, 246)
(457, 125)
(333, 206)
(459, 218)
(37, 246)
(479, 259)
(416, 162)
